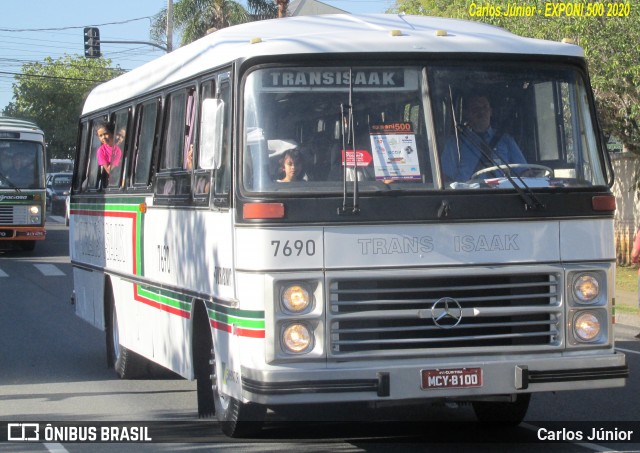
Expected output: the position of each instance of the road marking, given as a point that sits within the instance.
(55, 448)
(49, 270)
(628, 351)
(3, 274)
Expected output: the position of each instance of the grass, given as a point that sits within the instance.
(627, 280)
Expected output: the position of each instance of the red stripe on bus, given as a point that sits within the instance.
(250, 333)
(239, 330)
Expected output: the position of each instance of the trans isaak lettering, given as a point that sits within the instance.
(333, 78)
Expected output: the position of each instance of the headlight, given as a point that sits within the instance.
(34, 210)
(295, 298)
(586, 326)
(296, 338)
(586, 288)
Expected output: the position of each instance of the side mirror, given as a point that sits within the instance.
(211, 132)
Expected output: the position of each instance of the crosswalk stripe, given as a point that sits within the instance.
(49, 270)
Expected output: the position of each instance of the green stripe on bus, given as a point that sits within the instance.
(239, 321)
(256, 314)
(166, 297)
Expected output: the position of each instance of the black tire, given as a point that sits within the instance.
(27, 246)
(202, 345)
(126, 363)
(502, 413)
(236, 419)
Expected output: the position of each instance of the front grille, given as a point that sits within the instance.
(6, 215)
(385, 315)
(13, 215)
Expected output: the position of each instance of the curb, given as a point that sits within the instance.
(628, 320)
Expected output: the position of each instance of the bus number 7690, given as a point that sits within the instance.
(296, 248)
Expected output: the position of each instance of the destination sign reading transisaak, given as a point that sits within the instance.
(388, 78)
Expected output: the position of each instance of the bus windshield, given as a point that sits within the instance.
(21, 165)
(476, 126)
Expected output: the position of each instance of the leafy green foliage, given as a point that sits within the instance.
(610, 45)
(194, 18)
(52, 93)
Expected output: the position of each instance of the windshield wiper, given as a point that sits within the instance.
(9, 182)
(347, 130)
(531, 202)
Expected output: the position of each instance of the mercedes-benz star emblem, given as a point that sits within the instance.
(446, 313)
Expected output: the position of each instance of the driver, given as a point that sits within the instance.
(459, 163)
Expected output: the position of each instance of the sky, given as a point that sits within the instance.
(55, 28)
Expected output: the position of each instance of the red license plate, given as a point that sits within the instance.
(451, 378)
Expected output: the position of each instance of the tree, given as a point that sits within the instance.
(52, 93)
(610, 45)
(194, 18)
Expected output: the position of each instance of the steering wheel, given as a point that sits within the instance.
(547, 171)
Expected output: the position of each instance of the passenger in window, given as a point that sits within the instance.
(291, 167)
(202, 181)
(464, 155)
(189, 160)
(109, 153)
(120, 136)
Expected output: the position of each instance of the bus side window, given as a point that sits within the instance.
(173, 140)
(93, 172)
(121, 127)
(189, 131)
(202, 178)
(145, 141)
(81, 158)
(223, 173)
(177, 141)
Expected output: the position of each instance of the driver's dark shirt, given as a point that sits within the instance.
(461, 167)
(20, 178)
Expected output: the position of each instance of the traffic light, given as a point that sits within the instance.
(91, 42)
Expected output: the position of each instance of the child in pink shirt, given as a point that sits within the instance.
(109, 154)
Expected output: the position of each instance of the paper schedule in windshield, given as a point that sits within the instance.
(394, 151)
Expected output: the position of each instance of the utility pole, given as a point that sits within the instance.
(169, 25)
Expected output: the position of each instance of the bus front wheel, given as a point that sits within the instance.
(127, 364)
(236, 419)
(28, 246)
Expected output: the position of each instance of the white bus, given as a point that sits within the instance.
(377, 275)
(22, 191)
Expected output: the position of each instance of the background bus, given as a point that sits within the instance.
(22, 181)
(60, 166)
(378, 274)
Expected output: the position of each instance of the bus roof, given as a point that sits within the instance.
(18, 125)
(337, 33)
